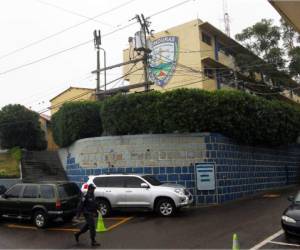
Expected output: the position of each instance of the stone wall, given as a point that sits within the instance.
(240, 170)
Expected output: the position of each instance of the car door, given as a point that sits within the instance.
(29, 199)
(114, 190)
(136, 196)
(10, 203)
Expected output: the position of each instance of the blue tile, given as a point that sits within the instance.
(138, 170)
(129, 170)
(178, 170)
(148, 170)
(156, 170)
(185, 177)
(170, 170)
(173, 177)
(162, 178)
(191, 169)
(97, 171)
(162, 170)
(184, 170)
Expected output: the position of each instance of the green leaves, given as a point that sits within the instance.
(248, 119)
(76, 120)
(20, 127)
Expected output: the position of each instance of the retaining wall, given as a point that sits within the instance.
(239, 170)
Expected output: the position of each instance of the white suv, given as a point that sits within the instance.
(117, 191)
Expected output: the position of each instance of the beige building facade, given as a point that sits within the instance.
(71, 94)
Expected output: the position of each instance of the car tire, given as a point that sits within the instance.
(104, 207)
(165, 207)
(40, 219)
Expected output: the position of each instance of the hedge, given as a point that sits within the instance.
(76, 120)
(246, 118)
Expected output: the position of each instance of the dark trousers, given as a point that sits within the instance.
(89, 225)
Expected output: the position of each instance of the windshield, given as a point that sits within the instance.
(152, 180)
(297, 198)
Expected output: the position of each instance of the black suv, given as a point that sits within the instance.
(40, 202)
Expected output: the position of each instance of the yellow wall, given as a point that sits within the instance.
(72, 94)
(188, 35)
(45, 126)
(191, 51)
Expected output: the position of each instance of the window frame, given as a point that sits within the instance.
(205, 35)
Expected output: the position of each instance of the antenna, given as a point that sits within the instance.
(226, 18)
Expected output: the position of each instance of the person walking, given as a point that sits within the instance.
(88, 207)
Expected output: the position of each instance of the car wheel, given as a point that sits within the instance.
(165, 207)
(40, 219)
(104, 207)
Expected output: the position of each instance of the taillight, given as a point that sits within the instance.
(85, 186)
(58, 204)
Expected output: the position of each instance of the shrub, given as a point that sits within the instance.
(246, 118)
(76, 120)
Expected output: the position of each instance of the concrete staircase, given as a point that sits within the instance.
(42, 166)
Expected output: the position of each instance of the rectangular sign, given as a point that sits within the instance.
(205, 176)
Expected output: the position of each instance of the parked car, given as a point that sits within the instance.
(119, 191)
(290, 219)
(2, 189)
(40, 202)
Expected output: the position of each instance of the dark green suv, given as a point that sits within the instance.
(40, 202)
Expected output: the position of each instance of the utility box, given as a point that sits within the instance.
(206, 179)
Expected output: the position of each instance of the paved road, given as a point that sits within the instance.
(254, 220)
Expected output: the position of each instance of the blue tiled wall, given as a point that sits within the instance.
(240, 170)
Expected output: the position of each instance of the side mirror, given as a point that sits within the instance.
(144, 185)
(291, 198)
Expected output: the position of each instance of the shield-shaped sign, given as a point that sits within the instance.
(163, 60)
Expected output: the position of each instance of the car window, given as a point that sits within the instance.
(14, 192)
(67, 190)
(117, 181)
(30, 191)
(152, 180)
(133, 182)
(47, 192)
(100, 181)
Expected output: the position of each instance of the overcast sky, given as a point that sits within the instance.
(24, 22)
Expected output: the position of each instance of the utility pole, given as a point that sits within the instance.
(97, 43)
(145, 30)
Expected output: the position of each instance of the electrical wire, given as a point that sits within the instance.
(63, 31)
(77, 45)
(74, 13)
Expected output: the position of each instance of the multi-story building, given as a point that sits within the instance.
(71, 94)
(194, 55)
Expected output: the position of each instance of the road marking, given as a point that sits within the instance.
(119, 223)
(267, 240)
(284, 244)
(123, 220)
(21, 227)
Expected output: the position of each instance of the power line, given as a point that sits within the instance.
(80, 44)
(74, 13)
(63, 30)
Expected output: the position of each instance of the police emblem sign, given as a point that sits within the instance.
(163, 60)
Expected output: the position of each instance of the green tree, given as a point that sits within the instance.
(20, 127)
(76, 120)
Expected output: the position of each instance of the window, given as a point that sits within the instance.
(133, 182)
(152, 180)
(67, 190)
(14, 192)
(208, 72)
(206, 38)
(222, 48)
(30, 192)
(100, 181)
(47, 192)
(115, 181)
